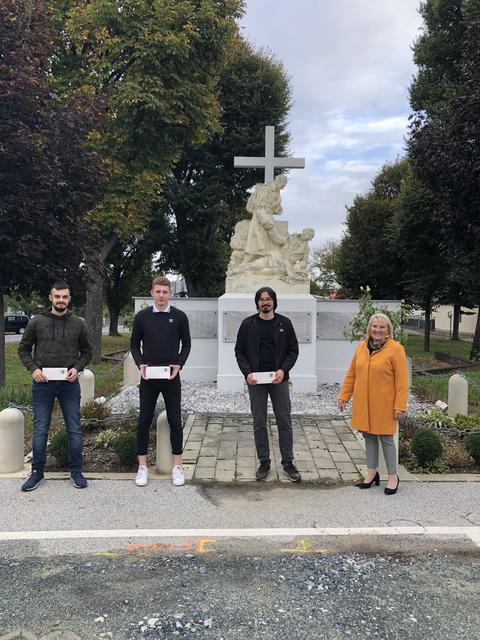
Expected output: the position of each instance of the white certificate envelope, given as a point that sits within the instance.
(264, 377)
(55, 373)
(155, 373)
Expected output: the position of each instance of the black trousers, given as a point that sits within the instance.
(280, 397)
(171, 391)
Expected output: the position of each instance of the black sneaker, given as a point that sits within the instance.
(262, 471)
(78, 480)
(33, 481)
(292, 472)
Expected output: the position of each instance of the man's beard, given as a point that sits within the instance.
(58, 308)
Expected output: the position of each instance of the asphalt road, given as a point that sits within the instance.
(240, 562)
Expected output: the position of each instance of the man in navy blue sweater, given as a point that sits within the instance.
(156, 337)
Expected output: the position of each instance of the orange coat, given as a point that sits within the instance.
(379, 385)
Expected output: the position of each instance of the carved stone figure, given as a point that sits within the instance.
(263, 248)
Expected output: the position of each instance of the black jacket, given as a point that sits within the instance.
(247, 347)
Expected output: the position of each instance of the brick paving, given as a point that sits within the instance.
(221, 448)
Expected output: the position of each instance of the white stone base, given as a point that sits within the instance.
(242, 282)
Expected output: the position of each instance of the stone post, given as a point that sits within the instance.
(409, 369)
(457, 396)
(11, 440)
(87, 386)
(131, 373)
(164, 456)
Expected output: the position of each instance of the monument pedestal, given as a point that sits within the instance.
(300, 308)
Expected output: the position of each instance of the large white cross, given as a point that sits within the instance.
(270, 162)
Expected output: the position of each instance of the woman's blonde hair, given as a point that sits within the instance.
(379, 316)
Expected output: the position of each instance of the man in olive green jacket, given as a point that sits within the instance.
(59, 340)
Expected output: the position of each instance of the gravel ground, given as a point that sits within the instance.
(206, 398)
(161, 597)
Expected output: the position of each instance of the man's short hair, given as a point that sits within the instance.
(162, 281)
(270, 292)
(59, 284)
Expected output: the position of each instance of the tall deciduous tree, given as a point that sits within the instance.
(367, 255)
(324, 269)
(204, 195)
(48, 177)
(157, 62)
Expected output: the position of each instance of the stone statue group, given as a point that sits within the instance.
(262, 245)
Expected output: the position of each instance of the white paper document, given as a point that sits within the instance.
(264, 377)
(55, 373)
(155, 373)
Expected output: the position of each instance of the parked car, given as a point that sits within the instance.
(15, 323)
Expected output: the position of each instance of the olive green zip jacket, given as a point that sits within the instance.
(57, 341)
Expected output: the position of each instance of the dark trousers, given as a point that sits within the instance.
(280, 396)
(171, 391)
(43, 397)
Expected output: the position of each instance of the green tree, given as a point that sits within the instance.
(204, 195)
(444, 140)
(367, 254)
(48, 176)
(438, 54)
(323, 267)
(157, 62)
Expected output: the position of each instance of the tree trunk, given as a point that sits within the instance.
(113, 328)
(95, 267)
(2, 341)
(457, 308)
(191, 288)
(475, 351)
(428, 315)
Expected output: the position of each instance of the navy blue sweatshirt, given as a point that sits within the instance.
(156, 337)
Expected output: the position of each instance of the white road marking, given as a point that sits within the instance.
(471, 532)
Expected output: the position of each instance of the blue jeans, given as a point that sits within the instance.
(43, 397)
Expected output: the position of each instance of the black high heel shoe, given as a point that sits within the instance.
(391, 492)
(367, 485)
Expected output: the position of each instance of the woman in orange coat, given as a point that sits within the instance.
(378, 381)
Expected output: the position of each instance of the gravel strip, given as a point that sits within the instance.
(199, 397)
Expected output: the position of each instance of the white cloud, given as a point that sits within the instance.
(350, 62)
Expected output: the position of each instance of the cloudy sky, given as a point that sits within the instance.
(350, 63)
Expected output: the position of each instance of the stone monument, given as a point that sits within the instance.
(263, 250)
(264, 253)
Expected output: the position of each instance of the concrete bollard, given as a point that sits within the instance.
(11, 440)
(131, 373)
(87, 386)
(164, 456)
(457, 396)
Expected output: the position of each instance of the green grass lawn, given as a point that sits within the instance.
(435, 387)
(18, 380)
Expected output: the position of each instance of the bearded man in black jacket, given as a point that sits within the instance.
(266, 343)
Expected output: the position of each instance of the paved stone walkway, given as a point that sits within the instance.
(220, 447)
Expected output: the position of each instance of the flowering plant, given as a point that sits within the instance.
(366, 309)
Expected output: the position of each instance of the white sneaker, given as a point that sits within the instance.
(178, 477)
(141, 478)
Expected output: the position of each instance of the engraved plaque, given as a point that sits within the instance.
(330, 325)
(300, 319)
(231, 324)
(203, 324)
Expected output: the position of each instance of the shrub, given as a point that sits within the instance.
(438, 418)
(21, 396)
(105, 439)
(125, 446)
(408, 425)
(472, 445)
(456, 456)
(59, 446)
(426, 446)
(467, 422)
(95, 410)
